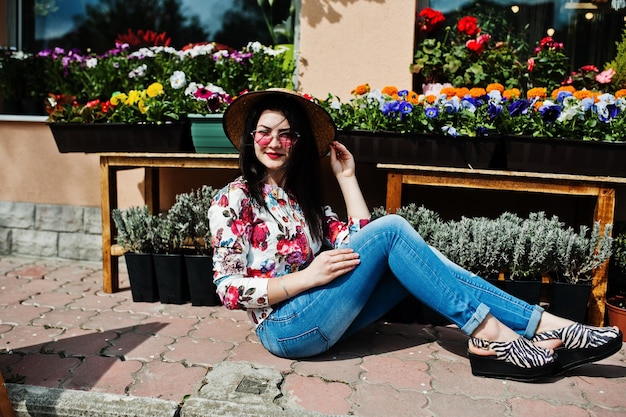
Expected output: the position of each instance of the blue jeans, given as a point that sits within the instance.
(395, 262)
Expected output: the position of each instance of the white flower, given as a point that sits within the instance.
(138, 72)
(178, 80)
(91, 62)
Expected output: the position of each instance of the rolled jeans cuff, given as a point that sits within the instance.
(533, 322)
(478, 317)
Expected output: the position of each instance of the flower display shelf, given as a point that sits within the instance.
(513, 153)
(424, 149)
(121, 137)
(565, 156)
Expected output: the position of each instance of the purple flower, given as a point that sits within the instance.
(390, 108)
(550, 112)
(432, 112)
(494, 110)
(406, 107)
(519, 107)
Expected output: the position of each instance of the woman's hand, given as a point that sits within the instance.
(341, 160)
(331, 264)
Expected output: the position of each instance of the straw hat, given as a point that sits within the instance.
(321, 123)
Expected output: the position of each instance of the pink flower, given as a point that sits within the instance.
(531, 64)
(605, 76)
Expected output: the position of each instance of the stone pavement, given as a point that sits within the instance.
(67, 348)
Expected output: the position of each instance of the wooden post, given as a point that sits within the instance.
(603, 213)
(6, 408)
(394, 191)
(108, 201)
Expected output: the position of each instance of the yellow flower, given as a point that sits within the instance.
(118, 98)
(142, 107)
(133, 97)
(155, 89)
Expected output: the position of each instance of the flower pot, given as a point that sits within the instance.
(122, 137)
(423, 149)
(207, 134)
(529, 291)
(565, 156)
(617, 316)
(171, 278)
(143, 283)
(569, 300)
(202, 290)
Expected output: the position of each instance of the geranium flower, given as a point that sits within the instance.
(468, 25)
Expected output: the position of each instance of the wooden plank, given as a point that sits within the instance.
(394, 192)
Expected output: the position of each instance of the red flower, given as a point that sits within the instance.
(478, 45)
(469, 26)
(429, 19)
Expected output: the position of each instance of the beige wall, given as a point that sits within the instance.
(347, 43)
(33, 171)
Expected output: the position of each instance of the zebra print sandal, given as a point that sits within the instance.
(582, 344)
(518, 360)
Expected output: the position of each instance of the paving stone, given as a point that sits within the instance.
(63, 319)
(103, 374)
(27, 339)
(314, 394)
(95, 302)
(111, 320)
(180, 381)
(29, 271)
(80, 343)
(223, 329)
(176, 326)
(190, 352)
(395, 372)
(521, 407)
(442, 405)
(380, 400)
(455, 377)
(72, 272)
(54, 300)
(45, 370)
(142, 347)
(19, 314)
(254, 352)
(605, 392)
(332, 367)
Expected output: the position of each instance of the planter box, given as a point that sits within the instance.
(569, 300)
(423, 149)
(565, 156)
(121, 137)
(513, 153)
(207, 134)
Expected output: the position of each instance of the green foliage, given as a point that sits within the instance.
(526, 248)
(190, 215)
(619, 250)
(135, 227)
(619, 64)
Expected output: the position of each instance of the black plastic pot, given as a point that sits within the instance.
(143, 283)
(171, 278)
(570, 300)
(202, 290)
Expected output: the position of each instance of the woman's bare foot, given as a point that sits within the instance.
(551, 322)
(493, 330)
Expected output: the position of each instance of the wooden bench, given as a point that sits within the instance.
(111, 163)
(602, 188)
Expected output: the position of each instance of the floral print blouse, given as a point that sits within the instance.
(252, 243)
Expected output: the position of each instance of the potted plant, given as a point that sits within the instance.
(577, 255)
(167, 242)
(190, 214)
(134, 234)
